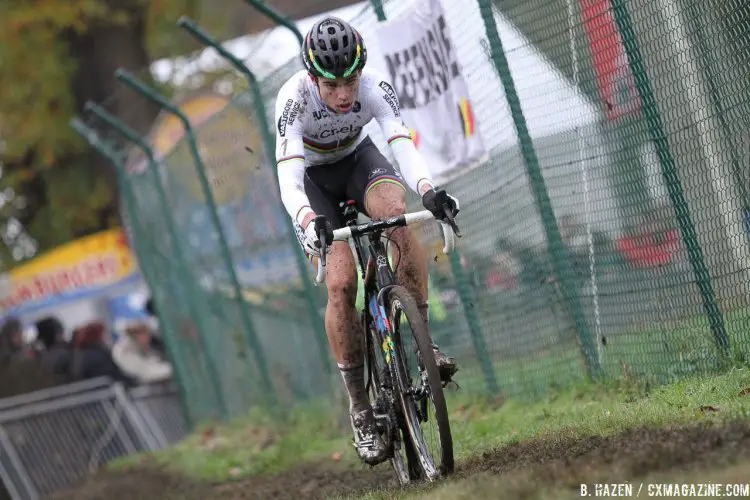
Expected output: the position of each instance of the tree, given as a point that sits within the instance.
(54, 56)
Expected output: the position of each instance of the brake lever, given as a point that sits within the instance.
(321, 232)
(451, 221)
(323, 249)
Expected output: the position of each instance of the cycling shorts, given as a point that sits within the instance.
(351, 178)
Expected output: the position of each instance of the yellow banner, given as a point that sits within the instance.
(92, 262)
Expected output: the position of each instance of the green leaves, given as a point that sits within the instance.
(41, 44)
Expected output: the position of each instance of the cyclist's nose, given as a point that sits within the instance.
(343, 93)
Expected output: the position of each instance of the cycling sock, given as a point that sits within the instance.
(354, 380)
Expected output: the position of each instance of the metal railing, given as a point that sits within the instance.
(51, 439)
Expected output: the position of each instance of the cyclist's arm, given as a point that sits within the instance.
(290, 161)
(388, 115)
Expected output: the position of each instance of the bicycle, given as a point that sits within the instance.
(400, 402)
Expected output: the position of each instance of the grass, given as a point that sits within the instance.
(662, 354)
(590, 409)
(260, 444)
(256, 444)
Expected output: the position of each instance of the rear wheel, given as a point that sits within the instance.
(418, 384)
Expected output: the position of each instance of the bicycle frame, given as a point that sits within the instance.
(377, 266)
(377, 274)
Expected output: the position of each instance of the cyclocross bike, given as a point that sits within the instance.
(404, 384)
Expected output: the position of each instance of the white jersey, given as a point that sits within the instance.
(309, 133)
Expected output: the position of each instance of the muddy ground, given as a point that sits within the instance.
(562, 463)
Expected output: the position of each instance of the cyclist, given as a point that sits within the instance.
(323, 158)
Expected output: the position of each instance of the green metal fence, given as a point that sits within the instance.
(605, 236)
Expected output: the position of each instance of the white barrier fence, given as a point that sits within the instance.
(53, 438)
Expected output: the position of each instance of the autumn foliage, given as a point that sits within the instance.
(53, 57)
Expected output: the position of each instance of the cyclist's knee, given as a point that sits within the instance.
(386, 200)
(342, 286)
(341, 277)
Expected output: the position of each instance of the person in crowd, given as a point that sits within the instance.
(19, 372)
(135, 355)
(55, 353)
(157, 342)
(91, 357)
(11, 340)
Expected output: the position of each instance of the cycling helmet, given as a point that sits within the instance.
(333, 49)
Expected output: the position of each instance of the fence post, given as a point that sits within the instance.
(277, 17)
(139, 141)
(97, 143)
(252, 337)
(269, 141)
(462, 285)
(377, 6)
(475, 327)
(539, 189)
(671, 178)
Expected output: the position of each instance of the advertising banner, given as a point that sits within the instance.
(424, 71)
(82, 267)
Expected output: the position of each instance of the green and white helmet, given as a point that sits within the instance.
(333, 49)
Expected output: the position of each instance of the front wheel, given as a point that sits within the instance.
(404, 460)
(419, 386)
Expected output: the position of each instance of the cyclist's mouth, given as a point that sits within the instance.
(343, 108)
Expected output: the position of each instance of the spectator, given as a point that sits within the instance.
(137, 358)
(11, 340)
(156, 341)
(150, 307)
(91, 357)
(55, 355)
(19, 373)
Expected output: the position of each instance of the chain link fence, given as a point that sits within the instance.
(605, 236)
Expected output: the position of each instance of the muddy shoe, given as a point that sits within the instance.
(446, 364)
(370, 446)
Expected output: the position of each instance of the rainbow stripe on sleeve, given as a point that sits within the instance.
(290, 158)
(399, 137)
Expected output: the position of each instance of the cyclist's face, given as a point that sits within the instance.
(339, 94)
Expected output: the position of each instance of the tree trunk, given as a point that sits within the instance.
(99, 53)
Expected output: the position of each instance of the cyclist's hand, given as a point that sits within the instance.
(323, 226)
(308, 237)
(435, 200)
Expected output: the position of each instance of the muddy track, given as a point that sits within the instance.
(565, 462)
